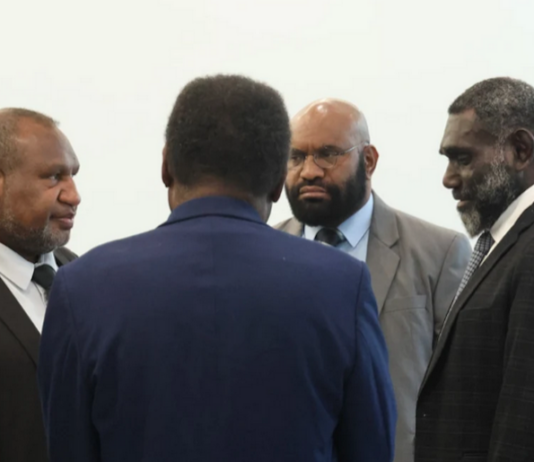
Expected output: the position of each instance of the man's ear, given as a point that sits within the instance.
(2, 183)
(165, 170)
(522, 142)
(371, 159)
(277, 192)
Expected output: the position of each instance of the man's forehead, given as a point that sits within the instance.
(322, 130)
(464, 130)
(38, 138)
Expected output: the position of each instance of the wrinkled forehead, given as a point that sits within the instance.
(465, 131)
(316, 130)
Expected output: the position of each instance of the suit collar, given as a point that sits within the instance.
(525, 221)
(511, 215)
(16, 319)
(293, 227)
(214, 205)
(384, 223)
(19, 270)
(382, 259)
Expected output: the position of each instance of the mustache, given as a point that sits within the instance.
(465, 195)
(304, 183)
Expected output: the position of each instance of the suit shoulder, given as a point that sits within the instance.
(423, 227)
(316, 256)
(289, 225)
(65, 254)
(114, 252)
(282, 224)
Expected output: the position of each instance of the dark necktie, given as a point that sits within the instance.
(482, 247)
(330, 236)
(44, 276)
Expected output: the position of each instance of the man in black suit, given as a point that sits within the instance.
(477, 399)
(38, 201)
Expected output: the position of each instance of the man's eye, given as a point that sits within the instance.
(463, 159)
(328, 153)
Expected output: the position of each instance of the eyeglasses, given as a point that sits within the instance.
(325, 157)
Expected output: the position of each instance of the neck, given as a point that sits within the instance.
(30, 256)
(178, 195)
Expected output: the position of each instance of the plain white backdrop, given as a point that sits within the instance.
(109, 71)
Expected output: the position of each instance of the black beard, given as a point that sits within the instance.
(344, 201)
(490, 194)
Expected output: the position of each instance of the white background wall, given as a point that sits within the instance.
(109, 71)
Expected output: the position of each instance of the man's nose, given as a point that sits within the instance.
(310, 170)
(451, 179)
(69, 194)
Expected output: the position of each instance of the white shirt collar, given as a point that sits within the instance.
(19, 270)
(353, 228)
(509, 217)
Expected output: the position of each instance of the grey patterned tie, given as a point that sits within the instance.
(330, 236)
(482, 247)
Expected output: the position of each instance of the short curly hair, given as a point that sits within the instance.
(502, 105)
(231, 128)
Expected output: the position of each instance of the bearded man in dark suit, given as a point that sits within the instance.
(477, 399)
(38, 201)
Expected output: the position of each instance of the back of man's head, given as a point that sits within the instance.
(230, 129)
(501, 104)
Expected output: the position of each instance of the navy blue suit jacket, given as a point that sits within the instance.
(215, 338)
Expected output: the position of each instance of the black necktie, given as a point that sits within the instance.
(330, 236)
(44, 276)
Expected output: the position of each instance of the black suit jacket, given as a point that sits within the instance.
(22, 436)
(477, 400)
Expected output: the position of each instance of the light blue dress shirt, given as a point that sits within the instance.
(355, 229)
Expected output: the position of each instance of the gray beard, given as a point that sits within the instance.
(31, 241)
(490, 197)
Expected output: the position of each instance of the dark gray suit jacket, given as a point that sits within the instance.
(22, 436)
(477, 399)
(416, 268)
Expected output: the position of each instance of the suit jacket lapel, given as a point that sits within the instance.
(382, 260)
(17, 321)
(526, 220)
(292, 226)
(63, 256)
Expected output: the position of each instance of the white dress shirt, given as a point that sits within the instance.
(509, 217)
(17, 274)
(355, 229)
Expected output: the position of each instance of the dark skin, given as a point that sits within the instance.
(39, 195)
(179, 194)
(336, 124)
(470, 148)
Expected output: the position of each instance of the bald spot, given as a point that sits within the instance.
(327, 121)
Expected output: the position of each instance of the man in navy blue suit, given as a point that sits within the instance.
(215, 338)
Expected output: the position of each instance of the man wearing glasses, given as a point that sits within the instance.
(416, 267)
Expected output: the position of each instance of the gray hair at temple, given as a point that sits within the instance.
(502, 105)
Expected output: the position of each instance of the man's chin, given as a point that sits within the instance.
(472, 222)
(312, 212)
(58, 238)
